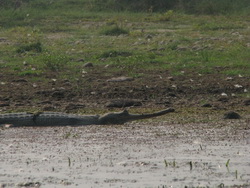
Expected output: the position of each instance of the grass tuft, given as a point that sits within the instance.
(115, 53)
(36, 47)
(55, 62)
(115, 31)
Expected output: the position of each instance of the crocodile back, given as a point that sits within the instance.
(47, 119)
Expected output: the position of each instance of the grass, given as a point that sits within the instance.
(172, 164)
(53, 40)
(37, 47)
(114, 31)
(227, 163)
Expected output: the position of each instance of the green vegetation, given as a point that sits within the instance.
(227, 163)
(186, 6)
(54, 62)
(172, 164)
(51, 36)
(114, 53)
(114, 31)
(37, 47)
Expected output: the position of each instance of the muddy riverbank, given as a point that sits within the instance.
(141, 154)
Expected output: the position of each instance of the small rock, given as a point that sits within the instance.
(171, 78)
(20, 80)
(238, 86)
(181, 48)
(121, 103)
(58, 94)
(88, 65)
(84, 72)
(171, 94)
(223, 94)
(3, 103)
(73, 106)
(48, 108)
(46, 102)
(80, 60)
(207, 105)
(120, 79)
(247, 102)
(223, 99)
(229, 78)
(3, 185)
(30, 184)
(149, 36)
(231, 115)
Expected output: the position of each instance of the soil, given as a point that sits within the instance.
(156, 89)
(162, 152)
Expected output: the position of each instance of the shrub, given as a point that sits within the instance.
(166, 16)
(131, 5)
(114, 53)
(37, 47)
(115, 31)
(55, 62)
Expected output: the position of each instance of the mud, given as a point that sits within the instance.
(159, 89)
(141, 154)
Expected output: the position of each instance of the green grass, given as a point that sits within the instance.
(53, 38)
(37, 47)
(114, 31)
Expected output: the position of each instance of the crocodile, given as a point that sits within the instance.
(65, 119)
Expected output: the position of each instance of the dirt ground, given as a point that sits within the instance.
(95, 90)
(177, 150)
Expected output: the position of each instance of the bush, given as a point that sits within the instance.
(211, 7)
(114, 53)
(115, 31)
(37, 47)
(131, 5)
(13, 4)
(55, 62)
(166, 16)
(187, 6)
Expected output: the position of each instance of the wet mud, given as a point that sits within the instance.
(140, 154)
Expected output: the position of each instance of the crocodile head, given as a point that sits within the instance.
(114, 118)
(124, 116)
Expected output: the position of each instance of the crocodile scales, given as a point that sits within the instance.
(64, 119)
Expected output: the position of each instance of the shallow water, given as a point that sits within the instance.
(131, 155)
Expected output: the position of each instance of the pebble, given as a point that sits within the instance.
(207, 105)
(120, 79)
(231, 115)
(88, 65)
